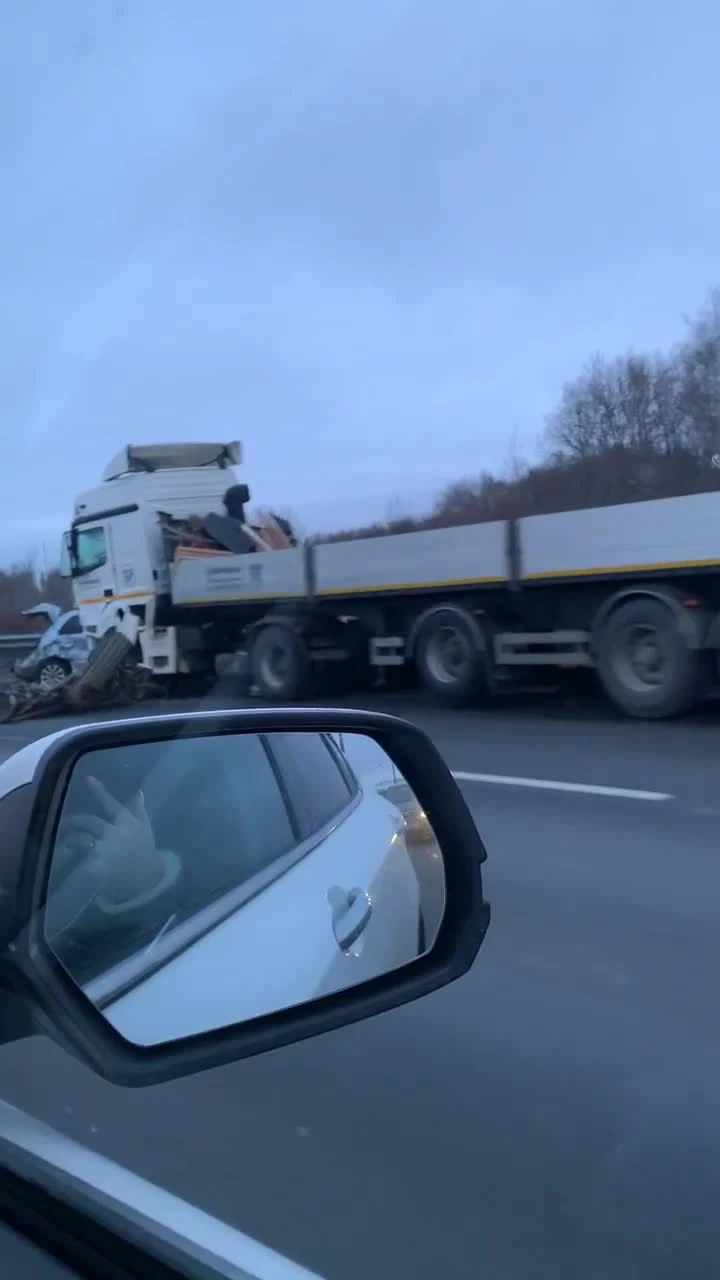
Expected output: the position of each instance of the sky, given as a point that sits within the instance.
(371, 242)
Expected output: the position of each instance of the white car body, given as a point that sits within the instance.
(184, 1236)
(279, 948)
(63, 639)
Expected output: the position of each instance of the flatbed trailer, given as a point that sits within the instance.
(169, 574)
(631, 590)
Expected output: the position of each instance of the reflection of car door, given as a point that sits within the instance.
(285, 944)
(368, 858)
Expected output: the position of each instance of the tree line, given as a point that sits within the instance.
(626, 429)
(21, 588)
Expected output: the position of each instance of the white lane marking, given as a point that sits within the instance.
(545, 784)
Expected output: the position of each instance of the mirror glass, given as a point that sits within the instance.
(203, 881)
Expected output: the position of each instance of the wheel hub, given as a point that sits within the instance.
(52, 676)
(448, 655)
(274, 667)
(646, 657)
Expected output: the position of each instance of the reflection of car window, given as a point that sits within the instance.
(90, 550)
(226, 816)
(214, 803)
(71, 626)
(317, 787)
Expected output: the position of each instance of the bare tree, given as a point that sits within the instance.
(636, 427)
(699, 360)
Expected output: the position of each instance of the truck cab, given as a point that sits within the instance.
(114, 549)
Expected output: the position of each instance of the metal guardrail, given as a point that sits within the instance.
(19, 640)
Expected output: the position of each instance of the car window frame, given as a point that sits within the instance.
(131, 972)
(343, 763)
(69, 1204)
(294, 784)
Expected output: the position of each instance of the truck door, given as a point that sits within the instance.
(93, 572)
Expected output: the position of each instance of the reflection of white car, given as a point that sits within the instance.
(340, 906)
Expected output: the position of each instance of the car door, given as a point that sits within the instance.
(70, 641)
(50, 613)
(292, 933)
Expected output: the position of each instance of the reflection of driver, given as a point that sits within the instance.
(107, 876)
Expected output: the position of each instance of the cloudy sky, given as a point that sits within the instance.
(371, 241)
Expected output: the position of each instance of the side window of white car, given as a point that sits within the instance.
(230, 820)
(71, 626)
(318, 783)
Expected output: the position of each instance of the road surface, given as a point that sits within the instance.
(556, 1113)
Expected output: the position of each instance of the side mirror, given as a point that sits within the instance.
(184, 891)
(65, 556)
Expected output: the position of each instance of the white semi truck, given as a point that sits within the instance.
(168, 570)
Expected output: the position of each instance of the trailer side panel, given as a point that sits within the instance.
(662, 536)
(467, 555)
(261, 575)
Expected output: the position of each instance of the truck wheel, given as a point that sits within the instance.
(644, 664)
(448, 659)
(280, 664)
(108, 655)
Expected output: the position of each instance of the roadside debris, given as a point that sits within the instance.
(109, 680)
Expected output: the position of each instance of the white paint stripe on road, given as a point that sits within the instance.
(546, 784)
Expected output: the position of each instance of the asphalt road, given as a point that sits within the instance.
(555, 1113)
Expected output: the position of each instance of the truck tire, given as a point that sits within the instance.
(110, 652)
(448, 659)
(280, 664)
(644, 662)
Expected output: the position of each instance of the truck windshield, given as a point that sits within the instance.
(89, 550)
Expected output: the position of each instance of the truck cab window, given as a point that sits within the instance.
(90, 549)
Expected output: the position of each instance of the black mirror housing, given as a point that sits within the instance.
(29, 816)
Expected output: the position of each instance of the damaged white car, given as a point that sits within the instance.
(62, 650)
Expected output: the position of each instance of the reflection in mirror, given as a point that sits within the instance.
(200, 882)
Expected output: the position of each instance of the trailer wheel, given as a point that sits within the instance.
(280, 664)
(644, 663)
(448, 659)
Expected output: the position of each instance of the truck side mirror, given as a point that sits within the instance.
(65, 556)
